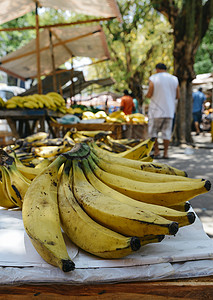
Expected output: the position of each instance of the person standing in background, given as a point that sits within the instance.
(135, 101)
(163, 91)
(127, 105)
(198, 99)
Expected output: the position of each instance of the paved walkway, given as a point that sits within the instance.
(198, 163)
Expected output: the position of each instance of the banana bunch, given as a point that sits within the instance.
(107, 205)
(2, 103)
(14, 184)
(137, 118)
(116, 117)
(51, 101)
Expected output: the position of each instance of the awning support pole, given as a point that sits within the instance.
(38, 51)
(53, 61)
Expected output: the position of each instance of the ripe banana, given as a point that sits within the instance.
(182, 218)
(156, 193)
(84, 231)
(146, 166)
(28, 172)
(139, 151)
(50, 151)
(16, 183)
(184, 206)
(36, 136)
(41, 217)
(120, 217)
(4, 198)
(136, 174)
(8, 190)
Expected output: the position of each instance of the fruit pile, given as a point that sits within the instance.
(52, 101)
(108, 204)
(40, 145)
(115, 117)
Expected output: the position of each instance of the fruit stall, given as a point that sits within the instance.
(128, 228)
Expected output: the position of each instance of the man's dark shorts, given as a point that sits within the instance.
(197, 116)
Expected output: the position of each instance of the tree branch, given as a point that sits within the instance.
(207, 15)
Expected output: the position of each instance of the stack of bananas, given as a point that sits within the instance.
(52, 101)
(107, 204)
(39, 145)
(2, 103)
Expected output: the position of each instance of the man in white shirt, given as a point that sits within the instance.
(163, 91)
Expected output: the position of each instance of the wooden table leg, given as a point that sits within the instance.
(12, 125)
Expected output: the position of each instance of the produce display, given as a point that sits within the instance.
(52, 101)
(108, 203)
(56, 102)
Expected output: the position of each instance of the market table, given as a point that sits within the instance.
(119, 130)
(19, 120)
(197, 288)
(179, 267)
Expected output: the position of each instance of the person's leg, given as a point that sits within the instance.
(156, 148)
(197, 127)
(166, 147)
(166, 135)
(153, 133)
(197, 118)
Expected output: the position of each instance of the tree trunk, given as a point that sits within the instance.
(189, 24)
(136, 87)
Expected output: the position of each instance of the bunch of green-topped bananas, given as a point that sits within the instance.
(39, 145)
(108, 206)
(52, 101)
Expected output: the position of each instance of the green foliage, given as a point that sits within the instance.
(136, 45)
(204, 55)
(12, 40)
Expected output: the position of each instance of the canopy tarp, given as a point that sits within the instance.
(10, 9)
(83, 41)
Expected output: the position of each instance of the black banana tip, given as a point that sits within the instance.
(186, 175)
(191, 217)
(161, 237)
(67, 265)
(135, 243)
(173, 228)
(152, 139)
(187, 206)
(207, 185)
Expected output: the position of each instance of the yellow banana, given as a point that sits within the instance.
(183, 206)
(4, 198)
(50, 151)
(156, 193)
(139, 151)
(36, 136)
(137, 174)
(41, 217)
(84, 231)
(146, 166)
(147, 158)
(120, 217)
(14, 197)
(182, 218)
